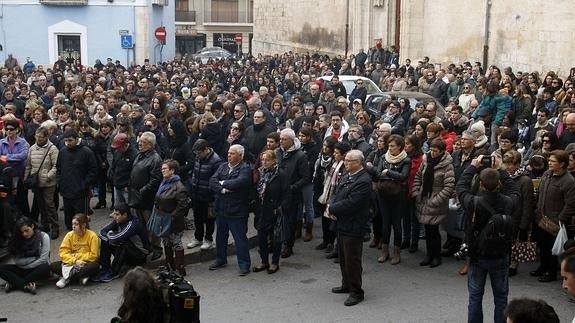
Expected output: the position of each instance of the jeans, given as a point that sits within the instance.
(202, 219)
(265, 238)
(476, 276)
(73, 207)
(239, 229)
(391, 213)
(307, 198)
(120, 195)
(411, 224)
(432, 240)
(19, 277)
(124, 254)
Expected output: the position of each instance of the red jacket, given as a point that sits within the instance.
(449, 138)
(415, 163)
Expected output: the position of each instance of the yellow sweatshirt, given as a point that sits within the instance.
(75, 247)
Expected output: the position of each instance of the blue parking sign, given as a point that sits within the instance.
(127, 41)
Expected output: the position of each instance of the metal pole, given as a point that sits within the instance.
(346, 27)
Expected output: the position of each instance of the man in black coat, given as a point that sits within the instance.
(293, 163)
(256, 135)
(77, 171)
(350, 210)
(144, 182)
(123, 158)
(206, 164)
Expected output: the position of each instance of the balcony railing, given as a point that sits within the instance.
(185, 16)
(228, 17)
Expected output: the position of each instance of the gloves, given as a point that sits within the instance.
(523, 235)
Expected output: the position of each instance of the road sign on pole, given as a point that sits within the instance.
(127, 41)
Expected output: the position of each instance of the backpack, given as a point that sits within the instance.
(494, 240)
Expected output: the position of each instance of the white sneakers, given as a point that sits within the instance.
(63, 282)
(207, 245)
(194, 243)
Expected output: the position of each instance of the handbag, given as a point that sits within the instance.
(548, 225)
(32, 180)
(524, 251)
(160, 223)
(388, 188)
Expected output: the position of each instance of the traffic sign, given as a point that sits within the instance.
(127, 41)
(238, 38)
(160, 33)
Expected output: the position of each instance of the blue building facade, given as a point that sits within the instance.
(87, 30)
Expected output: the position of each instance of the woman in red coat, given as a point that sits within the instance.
(410, 223)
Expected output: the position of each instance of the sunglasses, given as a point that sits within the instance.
(10, 129)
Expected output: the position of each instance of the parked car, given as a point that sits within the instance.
(211, 52)
(374, 102)
(349, 82)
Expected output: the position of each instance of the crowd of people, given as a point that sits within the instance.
(266, 135)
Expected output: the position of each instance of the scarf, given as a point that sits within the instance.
(265, 176)
(428, 174)
(388, 118)
(395, 159)
(166, 182)
(31, 247)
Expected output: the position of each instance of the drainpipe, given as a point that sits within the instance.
(486, 35)
(397, 22)
(346, 27)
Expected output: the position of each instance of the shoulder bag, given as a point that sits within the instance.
(31, 181)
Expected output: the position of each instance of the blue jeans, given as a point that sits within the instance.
(120, 196)
(239, 229)
(498, 270)
(307, 198)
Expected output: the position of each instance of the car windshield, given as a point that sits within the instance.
(350, 85)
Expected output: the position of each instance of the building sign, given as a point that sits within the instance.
(186, 30)
(226, 41)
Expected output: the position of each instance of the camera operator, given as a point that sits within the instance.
(496, 194)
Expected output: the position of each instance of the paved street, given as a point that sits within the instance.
(300, 291)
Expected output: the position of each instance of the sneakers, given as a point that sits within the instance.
(194, 243)
(8, 288)
(107, 276)
(63, 282)
(207, 245)
(30, 288)
(84, 281)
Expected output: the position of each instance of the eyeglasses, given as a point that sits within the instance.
(10, 129)
(466, 87)
(237, 110)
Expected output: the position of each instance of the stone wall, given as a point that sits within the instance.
(527, 35)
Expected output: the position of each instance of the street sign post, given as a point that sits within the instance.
(127, 41)
(160, 34)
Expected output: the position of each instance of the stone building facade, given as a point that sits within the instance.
(527, 35)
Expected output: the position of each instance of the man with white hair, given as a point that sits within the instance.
(231, 186)
(293, 163)
(144, 182)
(350, 210)
(264, 96)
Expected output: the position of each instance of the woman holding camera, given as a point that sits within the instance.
(433, 186)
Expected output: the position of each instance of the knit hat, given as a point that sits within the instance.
(186, 93)
(479, 127)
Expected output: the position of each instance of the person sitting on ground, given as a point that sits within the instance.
(79, 253)
(30, 248)
(126, 239)
(142, 299)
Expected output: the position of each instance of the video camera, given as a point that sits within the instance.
(182, 300)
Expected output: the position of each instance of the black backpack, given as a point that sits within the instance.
(494, 240)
